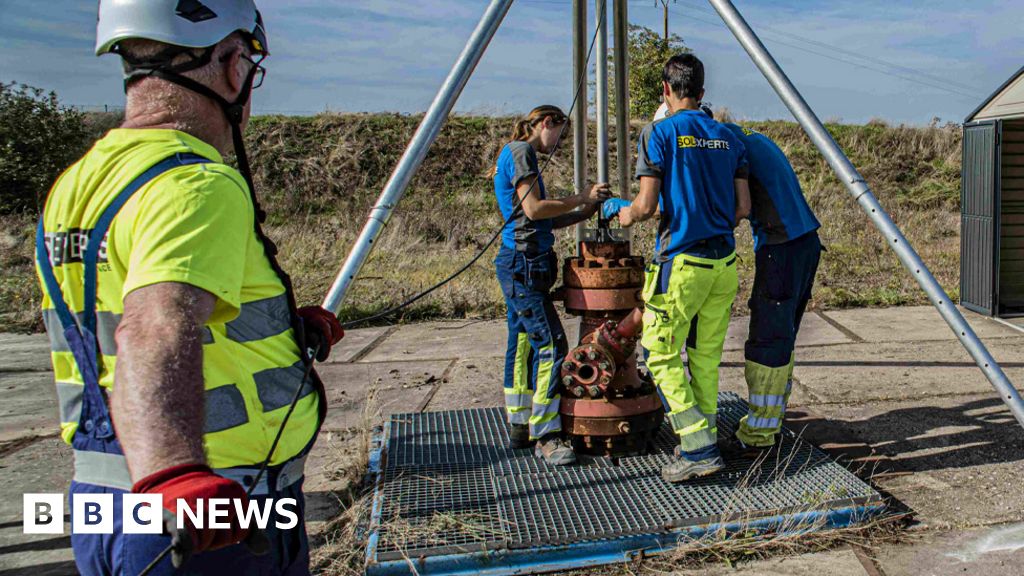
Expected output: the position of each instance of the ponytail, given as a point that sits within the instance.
(522, 130)
(524, 127)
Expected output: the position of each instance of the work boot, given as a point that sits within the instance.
(519, 437)
(732, 447)
(555, 450)
(682, 469)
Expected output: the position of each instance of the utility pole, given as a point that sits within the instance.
(665, 8)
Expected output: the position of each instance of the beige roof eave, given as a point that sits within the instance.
(1006, 103)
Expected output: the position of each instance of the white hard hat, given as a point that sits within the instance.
(186, 23)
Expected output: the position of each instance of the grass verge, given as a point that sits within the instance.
(319, 177)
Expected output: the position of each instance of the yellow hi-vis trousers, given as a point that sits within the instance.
(769, 390)
(688, 301)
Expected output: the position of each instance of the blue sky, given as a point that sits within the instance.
(943, 56)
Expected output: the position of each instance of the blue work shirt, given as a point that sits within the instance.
(697, 160)
(518, 161)
(780, 212)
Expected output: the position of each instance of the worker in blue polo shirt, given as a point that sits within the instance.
(695, 169)
(787, 250)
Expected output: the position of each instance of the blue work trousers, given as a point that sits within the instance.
(783, 281)
(536, 340)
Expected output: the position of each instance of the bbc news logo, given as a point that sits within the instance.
(143, 513)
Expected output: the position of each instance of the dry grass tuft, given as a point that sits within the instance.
(741, 539)
(340, 548)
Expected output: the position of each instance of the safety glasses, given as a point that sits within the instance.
(260, 72)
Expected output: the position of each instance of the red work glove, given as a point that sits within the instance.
(322, 330)
(190, 482)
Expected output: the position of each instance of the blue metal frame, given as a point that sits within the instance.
(504, 562)
(378, 449)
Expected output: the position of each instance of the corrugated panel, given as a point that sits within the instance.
(979, 217)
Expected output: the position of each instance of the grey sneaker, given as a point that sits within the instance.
(554, 450)
(681, 469)
(519, 437)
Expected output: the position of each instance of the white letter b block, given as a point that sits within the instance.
(43, 513)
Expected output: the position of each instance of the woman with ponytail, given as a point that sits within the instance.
(527, 268)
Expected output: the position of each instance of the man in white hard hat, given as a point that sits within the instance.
(177, 346)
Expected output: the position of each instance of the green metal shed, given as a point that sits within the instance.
(992, 204)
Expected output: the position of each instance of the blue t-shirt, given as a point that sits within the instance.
(516, 162)
(780, 212)
(697, 160)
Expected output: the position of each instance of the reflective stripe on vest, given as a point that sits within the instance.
(111, 471)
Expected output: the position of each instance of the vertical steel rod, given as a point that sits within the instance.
(860, 191)
(416, 151)
(579, 114)
(621, 57)
(601, 89)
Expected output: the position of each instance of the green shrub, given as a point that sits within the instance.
(38, 140)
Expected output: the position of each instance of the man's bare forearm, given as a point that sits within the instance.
(158, 399)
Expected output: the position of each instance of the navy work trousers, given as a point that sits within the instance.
(783, 280)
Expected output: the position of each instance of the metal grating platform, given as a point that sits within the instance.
(451, 498)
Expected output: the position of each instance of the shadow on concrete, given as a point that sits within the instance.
(882, 364)
(933, 437)
(66, 568)
(64, 542)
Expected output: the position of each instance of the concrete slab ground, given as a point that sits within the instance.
(990, 551)
(960, 454)
(912, 324)
(891, 381)
(862, 372)
(1017, 322)
(28, 405)
(21, 353)
(815, 330)
(44, 466)
(356, 343)
(839, 563)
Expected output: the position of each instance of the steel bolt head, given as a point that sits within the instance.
(568, 380)
(594, 391)
(570, 366)
(578, 391)
(592, 355)
(603, 365)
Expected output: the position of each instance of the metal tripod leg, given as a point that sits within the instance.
(417, 149)
(860, 191)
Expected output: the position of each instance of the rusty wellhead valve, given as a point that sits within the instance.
(608, 407)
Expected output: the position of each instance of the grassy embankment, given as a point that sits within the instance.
(319, 176)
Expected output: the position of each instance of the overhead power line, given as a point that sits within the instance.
(841, 55)
(850, 53)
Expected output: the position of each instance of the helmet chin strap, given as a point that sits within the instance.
(234, 111)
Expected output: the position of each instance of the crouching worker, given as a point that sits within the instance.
(527, 268)
(696, 170)
(176, 343)
(787, 250)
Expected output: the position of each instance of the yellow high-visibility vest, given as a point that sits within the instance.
(193, 225)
